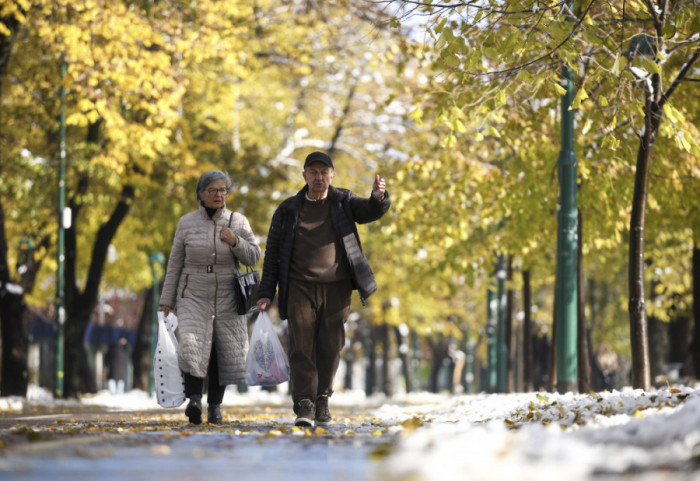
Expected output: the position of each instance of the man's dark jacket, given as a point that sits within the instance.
(347, 210)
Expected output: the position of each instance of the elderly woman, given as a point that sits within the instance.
(209, 243)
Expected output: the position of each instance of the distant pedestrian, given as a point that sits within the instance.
(116, 365)
(199, 284)
(315, 259)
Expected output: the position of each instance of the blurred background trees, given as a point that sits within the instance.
(457, 107)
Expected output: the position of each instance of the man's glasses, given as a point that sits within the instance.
(212, 191)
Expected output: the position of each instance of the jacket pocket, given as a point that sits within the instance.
(184, 287)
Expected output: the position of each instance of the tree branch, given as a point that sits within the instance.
(543, 57)
(679, 78)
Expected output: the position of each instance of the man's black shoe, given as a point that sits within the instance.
(323, 415)
(305, 413)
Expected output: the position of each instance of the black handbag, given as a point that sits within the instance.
(245, 287)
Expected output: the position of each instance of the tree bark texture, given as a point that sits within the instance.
(695, 347)
(639, 336)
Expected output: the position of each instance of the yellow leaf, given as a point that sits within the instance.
(560, 90)
(502, 97)
(580, 96)
(459, 126)
(450, 141)
(412, 424)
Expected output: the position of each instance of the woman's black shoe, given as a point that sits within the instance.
(214, 414)
(194, 410)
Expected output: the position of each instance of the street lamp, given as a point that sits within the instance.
(153, 259)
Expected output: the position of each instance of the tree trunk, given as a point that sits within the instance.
(15, 344)
(79, 306)
(639, 337)
(678, 336)
(552, 378)
(371, 355)
(402, 342)
(510, 351)
(387, 381)
(584, 367)
(15, 338)
(528, 384)
(695, 346)
(439, 349)
(6, 44)
(658, 331)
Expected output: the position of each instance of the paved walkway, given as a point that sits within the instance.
(255, 442)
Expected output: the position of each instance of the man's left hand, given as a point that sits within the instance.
(378, 188)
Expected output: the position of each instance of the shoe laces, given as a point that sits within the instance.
(322, 405)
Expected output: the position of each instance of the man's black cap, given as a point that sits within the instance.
(318, 157)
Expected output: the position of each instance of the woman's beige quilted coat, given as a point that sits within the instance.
(198, 285)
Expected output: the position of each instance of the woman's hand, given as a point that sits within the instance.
(229, 237)
(165, 310)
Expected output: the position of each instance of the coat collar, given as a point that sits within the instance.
(217, 215)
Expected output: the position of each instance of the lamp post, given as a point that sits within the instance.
(60, 312)
(566, 277)
(154, 258)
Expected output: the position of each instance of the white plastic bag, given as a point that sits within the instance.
(266, 363)
(170, 386)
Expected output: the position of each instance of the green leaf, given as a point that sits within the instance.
(580, 96)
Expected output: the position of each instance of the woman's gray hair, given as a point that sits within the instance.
(212, 176)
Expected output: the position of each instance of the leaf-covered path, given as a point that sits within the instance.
(254, 443)
(610, 436)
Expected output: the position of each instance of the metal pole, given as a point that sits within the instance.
(60, 312)
(491, 354)
(566, 281)
(501, 349)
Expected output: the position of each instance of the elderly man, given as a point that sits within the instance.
(315, 259)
